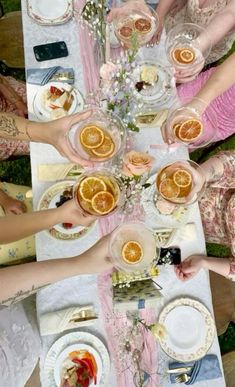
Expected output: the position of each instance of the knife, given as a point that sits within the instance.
(179, 370)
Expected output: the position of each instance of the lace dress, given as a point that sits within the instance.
(19, 343)
(12, 147)
(192, 12)
(217, 206)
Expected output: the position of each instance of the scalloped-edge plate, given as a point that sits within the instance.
(48, 200)
(190, 329)
(50, 13)
(69, 340)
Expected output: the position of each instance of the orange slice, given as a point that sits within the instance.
(106, 149)
(142, 25)
(103, 202)
(90, 186)
(92, 137)
(182, 178)
(168, 189)
(187, 55)
(190, 130)
(126, 31)
(183, 55)
(176, 128)
(132, 252)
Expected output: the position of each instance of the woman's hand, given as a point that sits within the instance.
(70, 213)
(56, 132)
(190, 267)
(11, 206)
(124, 10)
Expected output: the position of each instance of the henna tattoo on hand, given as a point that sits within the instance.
(20, 295)
(8, 126)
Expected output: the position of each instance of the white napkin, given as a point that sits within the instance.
(156, 119)
(52, 172)
(186, 233)
(61, 320)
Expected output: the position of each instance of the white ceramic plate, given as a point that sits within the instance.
(50, 12)
(155, 219)
(63, 357)
(48, 200)
(72, 339)
(44, 113)
(161, 91)
(190, 329)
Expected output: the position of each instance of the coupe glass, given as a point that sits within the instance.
(173, 187)
(205, 116)
(110, 186)
(187, 36)
(125, 26)
(111, 127)
(138, 232)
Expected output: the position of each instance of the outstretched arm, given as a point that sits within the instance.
(219, 26)
(18, 282)
(54, 132)
(13, 228)
(193, 264)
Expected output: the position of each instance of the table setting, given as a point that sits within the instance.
(137, 324)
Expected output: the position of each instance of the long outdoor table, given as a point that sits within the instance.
(83, 290)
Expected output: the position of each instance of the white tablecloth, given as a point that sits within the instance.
(83, 290)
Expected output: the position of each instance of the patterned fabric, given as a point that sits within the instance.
(12, 147)
(17, 251)
(223, 106)
(193, 12)
(217, 206)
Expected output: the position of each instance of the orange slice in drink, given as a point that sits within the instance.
(90, 186)
(126, 31)
(103, 202)
(132, 252)
(190, 130)
(183, 55)
(142, 25)
(176, 128)
(106, 149)
(187, 55)
(168, 189)
(92, 136)
(182, 178)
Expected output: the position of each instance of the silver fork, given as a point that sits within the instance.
(182, 378)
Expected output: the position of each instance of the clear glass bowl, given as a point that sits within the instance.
(133, 231)
(110, 124)
(127, 22)
(183, 196)
(187, 35)
(113, 185)
(195, 109)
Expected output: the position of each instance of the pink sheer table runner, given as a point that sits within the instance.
(114, 322)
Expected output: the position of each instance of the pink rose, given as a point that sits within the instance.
(108, 71)
(137, 163)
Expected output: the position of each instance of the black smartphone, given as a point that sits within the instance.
(169, 256)
(50, 51)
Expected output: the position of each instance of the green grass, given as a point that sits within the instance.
(18, 171)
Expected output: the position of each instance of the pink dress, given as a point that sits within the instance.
(13, 147)
(223, 106)
(217, 206)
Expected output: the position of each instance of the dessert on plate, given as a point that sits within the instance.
(57, 101)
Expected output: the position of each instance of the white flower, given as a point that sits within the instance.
(158, 330)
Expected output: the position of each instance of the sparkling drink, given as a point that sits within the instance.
(181, 182)
(97, 193)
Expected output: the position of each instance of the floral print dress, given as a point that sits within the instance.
(217, 206)
(194, 12)
(12, 147)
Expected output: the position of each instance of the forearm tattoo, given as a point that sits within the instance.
(20, 295)
(8, 126)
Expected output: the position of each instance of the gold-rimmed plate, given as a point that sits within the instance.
(190, 329)
(48, 200)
